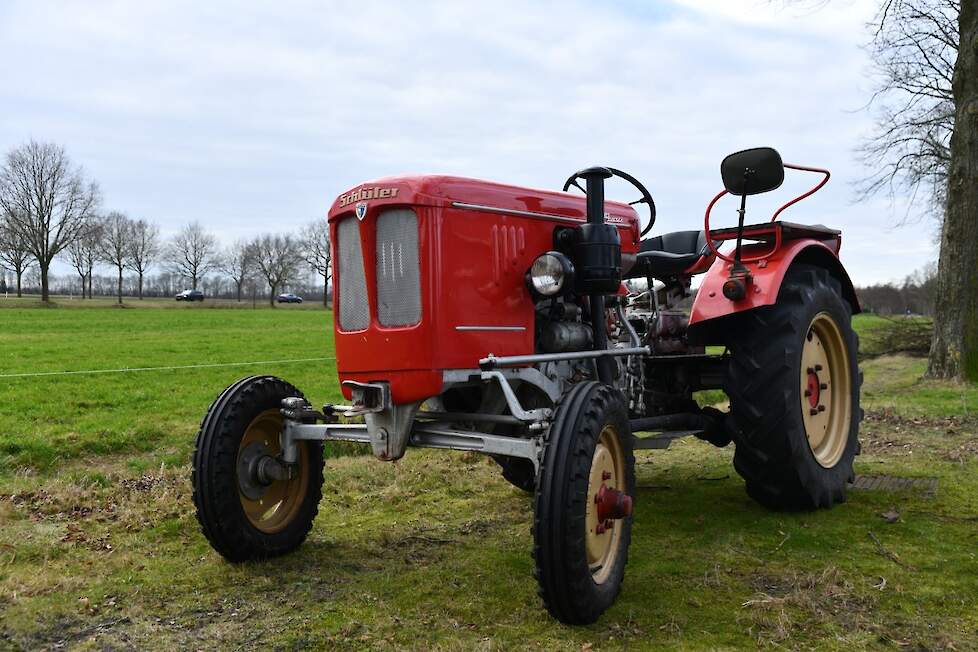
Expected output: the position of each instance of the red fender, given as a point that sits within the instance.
(767, 275)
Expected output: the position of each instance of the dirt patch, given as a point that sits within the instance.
(962, 453)
(794, 604)
(884, 432)
(67, 631)
(421, 545)
(66, 501)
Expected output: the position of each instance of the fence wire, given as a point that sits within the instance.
(36, 374)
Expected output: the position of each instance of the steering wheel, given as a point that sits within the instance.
(646, 197)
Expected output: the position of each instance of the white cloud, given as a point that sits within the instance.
(253, 117)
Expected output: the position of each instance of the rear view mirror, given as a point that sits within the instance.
(752, 171)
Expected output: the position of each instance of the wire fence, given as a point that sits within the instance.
(36, 374)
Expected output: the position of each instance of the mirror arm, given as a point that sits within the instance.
(741, 212)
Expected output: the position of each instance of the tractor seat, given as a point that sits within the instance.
(669, 254)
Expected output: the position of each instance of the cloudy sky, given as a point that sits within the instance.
(252, 117)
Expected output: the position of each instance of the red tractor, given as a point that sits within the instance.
(542, 329)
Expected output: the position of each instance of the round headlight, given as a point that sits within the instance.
(551, 274)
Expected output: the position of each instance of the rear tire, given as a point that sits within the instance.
(793, 384)
(579, 566)
(243, 521)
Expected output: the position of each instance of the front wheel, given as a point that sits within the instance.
(244, 513)
(583, 503)
(793, 384)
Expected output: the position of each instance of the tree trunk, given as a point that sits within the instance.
(326, 291)
(238, 285)
(140, 286)
(89, 284)
(193, 282)
(44, 283)
(954, 349)
(271, 295)
(120, 285)
(20, 275)
(83, 285)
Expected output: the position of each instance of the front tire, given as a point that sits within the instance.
(244, 519)
(580, 558)
(793, 384)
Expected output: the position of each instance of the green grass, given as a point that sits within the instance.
(148, 415)
(99, 547)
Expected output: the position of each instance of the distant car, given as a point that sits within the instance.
(190, 295)
(288, 297)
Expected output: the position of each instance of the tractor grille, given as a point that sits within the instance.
(398, 268)
(353, 306)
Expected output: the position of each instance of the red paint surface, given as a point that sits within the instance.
(472, 274)
(766, 276)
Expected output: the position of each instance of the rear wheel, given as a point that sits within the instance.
(243, 512)
(793, 385)
(583, 503)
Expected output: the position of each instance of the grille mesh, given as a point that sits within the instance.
(398, 268)
(354, 308)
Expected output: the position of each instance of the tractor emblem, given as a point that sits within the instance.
(361, 210)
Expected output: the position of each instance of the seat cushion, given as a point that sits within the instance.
(669, 254)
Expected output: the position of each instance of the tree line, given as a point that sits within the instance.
(915, 295)
(49, 210)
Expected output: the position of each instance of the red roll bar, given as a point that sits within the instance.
(777, 242)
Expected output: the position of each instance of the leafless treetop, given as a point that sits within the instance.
(46, 199)
(116, 239)
(277, 257)
(193, 252)
(315, 246)
(914, 48)
(83, 252)
(144, 246)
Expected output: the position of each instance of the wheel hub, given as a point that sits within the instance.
(251, 482)
(612, 504)
(814, 390)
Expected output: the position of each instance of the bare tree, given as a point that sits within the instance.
(277, 258)
(927, 139)
(914, 49)
(238, 262)
(144, 247)
(46, 199)
(314, 240)
(954, 349)
(192, 253)
(116, 243)
(84, 253)
(14, 254)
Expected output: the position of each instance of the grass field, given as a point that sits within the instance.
(99, 548)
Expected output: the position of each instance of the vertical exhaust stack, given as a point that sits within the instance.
(597, 253)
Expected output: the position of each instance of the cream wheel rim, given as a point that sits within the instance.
(607, 468)
(281, 500)
(826, 399)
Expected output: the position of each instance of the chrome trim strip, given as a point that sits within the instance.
(490, 328)
(493, 362)
(513, 211)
